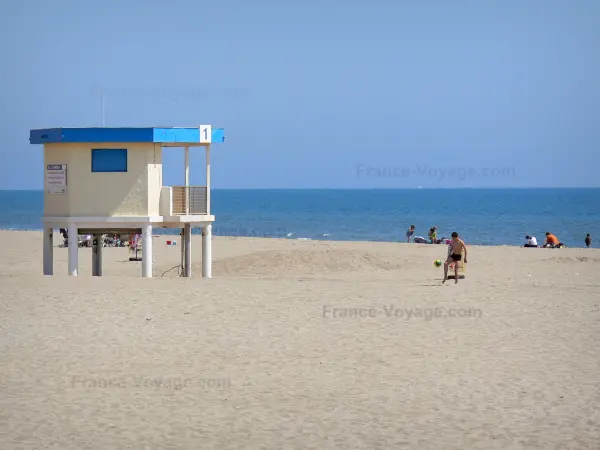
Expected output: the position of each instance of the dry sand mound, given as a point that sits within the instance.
(304, 262)
(576, 259)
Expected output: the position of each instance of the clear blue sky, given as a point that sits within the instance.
(308, 91)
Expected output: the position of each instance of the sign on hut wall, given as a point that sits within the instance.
(56, 178)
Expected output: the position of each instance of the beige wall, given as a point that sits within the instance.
(132, 193)
(154, 181)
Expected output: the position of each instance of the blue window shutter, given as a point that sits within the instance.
(109, 160)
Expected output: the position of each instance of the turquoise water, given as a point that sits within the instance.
(481, 216)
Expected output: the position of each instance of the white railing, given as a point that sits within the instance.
(183, 200)
(189, 200)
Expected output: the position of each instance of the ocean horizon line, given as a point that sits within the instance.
(524, 188)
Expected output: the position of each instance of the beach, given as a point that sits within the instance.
(300, 344)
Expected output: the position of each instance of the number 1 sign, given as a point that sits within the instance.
(205, 134)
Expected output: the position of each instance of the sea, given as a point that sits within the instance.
(480, 216)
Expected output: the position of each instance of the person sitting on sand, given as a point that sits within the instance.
(531, 241)
(588, 241)
(552, 241)
(454, 256)
(433, 235)
(409, 233)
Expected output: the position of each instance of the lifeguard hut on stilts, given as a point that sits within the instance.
(109, 181)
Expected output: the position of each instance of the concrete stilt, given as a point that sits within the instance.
(207, 251)
(187, 266)
(182, 242)
(147, 251)
(48, 251)
(73, 249)
(97, 255)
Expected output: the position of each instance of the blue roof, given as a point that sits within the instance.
(189, 135)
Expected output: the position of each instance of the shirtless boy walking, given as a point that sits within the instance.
(455, 255)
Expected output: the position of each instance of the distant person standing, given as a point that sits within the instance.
(409, 233)
(588, 241)
(65, 235)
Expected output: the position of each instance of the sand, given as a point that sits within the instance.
(303, 345)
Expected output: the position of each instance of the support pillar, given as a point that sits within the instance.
(147, 251)
(187, 167)
(207, 251)
(208, 179)
(73, 236)
(187, 238)
(48, 251)
(97, 255)
(182, 243)
(187, 180)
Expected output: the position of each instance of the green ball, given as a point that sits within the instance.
(437, 263)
